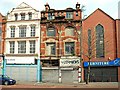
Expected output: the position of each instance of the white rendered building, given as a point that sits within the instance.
(22, 35)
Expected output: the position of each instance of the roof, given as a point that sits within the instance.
(100, 11)
(23, 5)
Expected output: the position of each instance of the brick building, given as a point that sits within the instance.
(2, 33)
(101, 32)
(60, 37)
(60, 34)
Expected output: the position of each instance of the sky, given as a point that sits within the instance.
(108, 6)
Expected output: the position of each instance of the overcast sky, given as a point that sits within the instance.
(109, 6)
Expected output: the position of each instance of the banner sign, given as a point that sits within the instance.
(115, 62)
(69, 62)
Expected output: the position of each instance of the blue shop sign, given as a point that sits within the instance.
(115, 62)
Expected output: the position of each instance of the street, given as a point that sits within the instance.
(76, 86)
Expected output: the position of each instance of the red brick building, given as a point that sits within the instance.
(59, 34)
(65, 34)
(2, 33)
(101, 32)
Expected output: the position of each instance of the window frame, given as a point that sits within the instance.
(69, 45)
(100, 37)
(33, 30)
(22, 31)
(12, 33)
(68, 29)
(50, 16)
(16, 16)
(30, 15)
(21, 47)
(12, 46)
(89, 42)
(22, 16)
(51, 52)
(32, 46)
(51, 30)
(69, 15)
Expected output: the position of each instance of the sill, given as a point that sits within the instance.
(69, 55)
(51, 55)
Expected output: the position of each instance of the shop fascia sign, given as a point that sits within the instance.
(69, 62)
(115, 62)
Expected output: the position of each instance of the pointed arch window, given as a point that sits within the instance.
(99, 41)
(89, 42)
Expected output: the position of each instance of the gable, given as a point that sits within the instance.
(99, 14)
(23, 5)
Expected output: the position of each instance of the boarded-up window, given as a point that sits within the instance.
(50, 49)
(69, 31)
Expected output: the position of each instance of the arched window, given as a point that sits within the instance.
(69, 31)
(89, 42)
(99, 41)
(51, 31)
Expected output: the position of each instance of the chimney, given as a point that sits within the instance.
(47, 7)
(77, 6)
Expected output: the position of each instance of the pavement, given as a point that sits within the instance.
(73, 85)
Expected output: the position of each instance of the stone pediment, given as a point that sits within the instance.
(23, 5)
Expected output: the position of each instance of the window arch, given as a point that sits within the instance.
(99, 41)
(51, 31)
(89, 42)
(69, 31)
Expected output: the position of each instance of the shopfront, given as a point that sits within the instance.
(107, 71)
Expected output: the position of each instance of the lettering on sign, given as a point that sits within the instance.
(115, 62)
(99, 63)
(69, 62)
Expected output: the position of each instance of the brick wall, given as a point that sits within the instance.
(100, 17)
